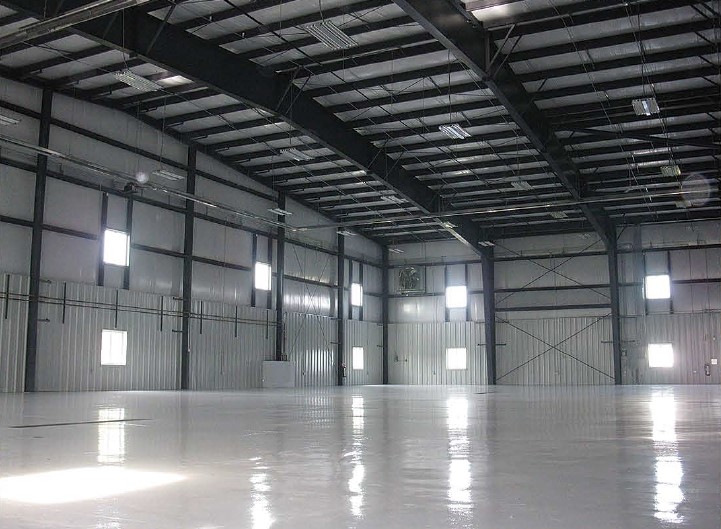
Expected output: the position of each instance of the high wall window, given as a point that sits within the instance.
(657, 287)
(456, 358)
(263, 276)
(116, 248)
(114, 348)
(660, 355)
(356, 294)
(456, 297)
(357, 358)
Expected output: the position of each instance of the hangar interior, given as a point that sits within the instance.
(452, 226)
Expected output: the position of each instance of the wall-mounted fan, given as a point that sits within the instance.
(411, 279)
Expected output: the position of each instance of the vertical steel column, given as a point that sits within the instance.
(280, 271)
(615, 310)
(37, 243)
(129, 231)
(360, 280)
(385, 316)
(188, 269)
(340, 329)
(350, 289)
(103, 226)
(489, 311)
(254, 258)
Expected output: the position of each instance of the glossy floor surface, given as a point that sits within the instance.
(380, 457)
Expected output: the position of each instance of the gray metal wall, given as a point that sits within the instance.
(369, 336)
(13, 331)
(225, 355)
(417, 353)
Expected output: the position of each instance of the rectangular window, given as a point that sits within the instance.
(114, 348)
(456, 358)
(657, 287)
(357, 358)
(356, 294)
(456, 297)
(263, 276)
(116, 248)
(660, 355)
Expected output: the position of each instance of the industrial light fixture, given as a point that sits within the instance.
(295, 154)
(136, 81)
(559, 215)
(487, 244)
(646, 106)
(346, 233)
(455, 131)
(448, 225)
(521, 185)
(671, 170)
(395, 250)
(7, 120)
(330, 35)
(392, 199)
(280, 211)
(168, 175)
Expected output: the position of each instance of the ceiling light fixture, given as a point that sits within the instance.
(280, 211)
(487, 244)
(392, 199)
(346, 233)
(671, 170)
(521, 185)
(168, 175)
(296, 155)
(646, 106)
(7, 120)
(455, 131)
(559, 215)
(330, 35)
(136, 81)
(395, 250)
(448, 225)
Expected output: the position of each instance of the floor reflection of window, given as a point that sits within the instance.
(668, 469)
(260, 509)
(459, 468)
(111, 435)
(355, 483)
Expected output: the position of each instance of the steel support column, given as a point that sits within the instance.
(341, 308)
(37, 243)
(385, 287)
(489, 312)
(188, 270)
(615, 311)
(280, 271)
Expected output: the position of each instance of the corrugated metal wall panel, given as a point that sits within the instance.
(527, 352)
(13, 331)
(311, 342)
(418, 353)
(696, 339)
(229, 354)
(68, 357)
(369, 336)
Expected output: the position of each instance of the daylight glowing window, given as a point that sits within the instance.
(263, 276)
(356, 294)
(114, 348)
(456, 297)
(456, 358)
(357, 358)
(657, 287)
(660, 355)
(116, 248)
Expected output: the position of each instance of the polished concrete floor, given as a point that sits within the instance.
(380, 457)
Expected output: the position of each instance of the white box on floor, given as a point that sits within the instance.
(278, 374)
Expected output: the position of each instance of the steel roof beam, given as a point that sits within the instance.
(473, 46)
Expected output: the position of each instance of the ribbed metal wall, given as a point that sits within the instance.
(68, 356)
(311, 342)
(696, 340)
(417, 353)
(228, 345)
(528, 351)
(13, 330)
(369, 336)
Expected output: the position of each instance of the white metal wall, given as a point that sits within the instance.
(311, 342)
(68, 355)
(14, 290)
(369, 336)
(228, 345)
(555, 351)
(417, 353)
